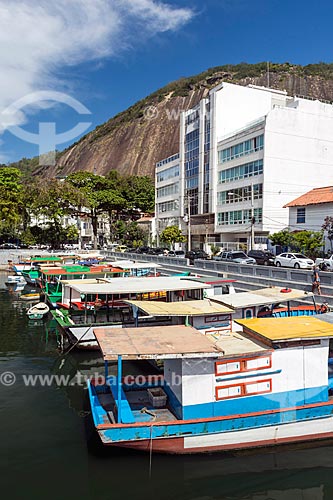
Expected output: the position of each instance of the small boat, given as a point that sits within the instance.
(30, 296)
(14, 280)
(38, 311)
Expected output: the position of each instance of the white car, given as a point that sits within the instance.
(295, 260)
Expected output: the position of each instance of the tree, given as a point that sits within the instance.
(139, 191)
(11, 202)
(49, 203)
(328, 227)
(281, 238)
(308, 242)
(172, 235)
(95, 191)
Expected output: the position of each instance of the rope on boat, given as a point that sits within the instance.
(150, 450)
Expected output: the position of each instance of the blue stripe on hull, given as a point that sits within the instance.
(114, 435)
(237, 406)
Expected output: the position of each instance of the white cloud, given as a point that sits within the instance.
(39, 37)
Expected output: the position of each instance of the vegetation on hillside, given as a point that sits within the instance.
(183, 87)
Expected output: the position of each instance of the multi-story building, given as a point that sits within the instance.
(243, 153)
(167, 194)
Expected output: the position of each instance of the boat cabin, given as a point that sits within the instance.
(263, 386)
(81, 294)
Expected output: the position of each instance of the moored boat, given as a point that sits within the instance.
(86, 304)
(263, 386)
(38, 311)
(15, 280)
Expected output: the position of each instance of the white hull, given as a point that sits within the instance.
(264, 436)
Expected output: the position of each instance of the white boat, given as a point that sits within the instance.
(38, 311)
(14, 280)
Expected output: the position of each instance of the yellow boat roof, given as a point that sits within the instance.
(287, 329)
(182, 308)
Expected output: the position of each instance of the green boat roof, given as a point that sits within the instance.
(46, 258)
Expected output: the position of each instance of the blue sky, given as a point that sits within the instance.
(107, 54)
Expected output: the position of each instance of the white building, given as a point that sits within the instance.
(244, 152)
(167, 194)
(307, 212)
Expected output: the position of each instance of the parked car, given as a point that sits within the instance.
(325, 264)
(262, 257)
(143, 249)
(238, 257)
(177, 253)
(9, 246)
(295, 260)
(121, 248)
(196, 254)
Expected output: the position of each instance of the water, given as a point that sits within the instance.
(46, 441)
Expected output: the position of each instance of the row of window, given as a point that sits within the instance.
(194, 144)
(239, 194)
(239, 217)
(167, 190)
(192, 182)
(169, 173)
(168, 206)
(193, 153)
(241, 171)
(241, 149)
(167, 160)
(192, 117)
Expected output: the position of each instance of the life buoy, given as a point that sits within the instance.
(285, 290)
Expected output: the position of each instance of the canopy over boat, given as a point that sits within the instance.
(203, 307)
(137, 265)
(263, 296)
(290, 329)
(154, 343)
(134, 285)
(211, 280)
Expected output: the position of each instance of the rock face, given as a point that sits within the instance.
(133, 141)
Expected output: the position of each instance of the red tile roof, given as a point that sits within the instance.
(313, 197)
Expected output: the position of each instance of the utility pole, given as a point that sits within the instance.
(252, 219)
(188, 223)
(187, 219)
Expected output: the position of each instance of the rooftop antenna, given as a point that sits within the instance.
(267, 73)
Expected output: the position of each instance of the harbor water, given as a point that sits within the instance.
(48, 449)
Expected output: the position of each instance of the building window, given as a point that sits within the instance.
(241, 171)
(239, 217)
(239, 194)
(169, 173)
(241, 149)
(167, 190)
(167, 160)
(168, 206)
(300, 216)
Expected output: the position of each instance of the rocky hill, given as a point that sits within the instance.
(134, 140)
